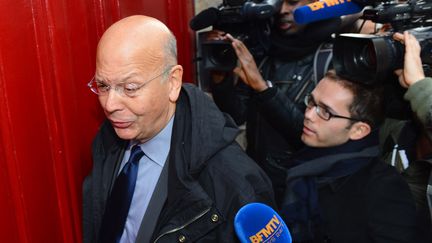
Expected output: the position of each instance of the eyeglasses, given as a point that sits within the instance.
(124, 89)
(323, 112)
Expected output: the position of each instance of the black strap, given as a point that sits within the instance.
(154, 208)
(429, 192)
(322, 60)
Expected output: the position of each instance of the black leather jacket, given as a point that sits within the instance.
(274, 117)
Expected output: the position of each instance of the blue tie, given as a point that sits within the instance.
(119, 201)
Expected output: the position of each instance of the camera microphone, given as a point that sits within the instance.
(325, 9)
(257, 222)
(204, 19)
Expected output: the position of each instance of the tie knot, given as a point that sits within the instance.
(136, 154)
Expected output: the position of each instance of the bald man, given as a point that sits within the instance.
(166, 167)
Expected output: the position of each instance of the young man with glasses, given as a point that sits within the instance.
(166, 167)
(337, 189)
(260, 90)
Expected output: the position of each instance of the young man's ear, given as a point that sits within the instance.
(359, 130)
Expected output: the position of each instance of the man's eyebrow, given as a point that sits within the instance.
(324, 105)
(122, 81)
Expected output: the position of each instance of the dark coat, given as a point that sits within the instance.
(210, 177)
(372, 205)
(404, 137)
(291, 81)
(346, 194)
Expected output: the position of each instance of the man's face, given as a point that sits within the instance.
(318, 132)
(143, 116)
(285, 20)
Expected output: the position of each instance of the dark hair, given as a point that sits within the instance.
(367, 104)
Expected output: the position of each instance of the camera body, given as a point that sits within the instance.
(372, 59)
(247, 20)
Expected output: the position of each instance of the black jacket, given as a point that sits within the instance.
(372, 205)
(210, 177)
(401, 141)
(274, 117)
(347, 194)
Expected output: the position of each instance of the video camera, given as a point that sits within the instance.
(372, 58)
(247, 20)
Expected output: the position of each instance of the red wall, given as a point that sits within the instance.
(48, 117)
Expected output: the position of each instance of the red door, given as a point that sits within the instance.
(48, 117)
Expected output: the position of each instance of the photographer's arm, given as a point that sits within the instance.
(419, 92)
(283, 114)
(413, 70)
(420, 97)
(279, 111)
(248, 70)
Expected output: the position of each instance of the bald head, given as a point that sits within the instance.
(138, 39)
(131, 54)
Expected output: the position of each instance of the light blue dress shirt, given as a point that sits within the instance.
(150, 167)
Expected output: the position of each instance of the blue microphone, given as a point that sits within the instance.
(325, 9)
(257, 222)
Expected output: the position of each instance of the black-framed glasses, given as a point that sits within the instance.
(124, 89)
(323, 112)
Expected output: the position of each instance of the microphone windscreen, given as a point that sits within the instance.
(325, 9)
(204, 19)
(257, 222)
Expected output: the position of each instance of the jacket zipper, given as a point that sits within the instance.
(303, 88)
(183, 226)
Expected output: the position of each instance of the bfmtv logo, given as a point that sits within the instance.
(269, 233)
(257, 222)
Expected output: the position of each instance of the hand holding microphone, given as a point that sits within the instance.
(257, 222)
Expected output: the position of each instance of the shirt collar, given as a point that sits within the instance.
(157, 148)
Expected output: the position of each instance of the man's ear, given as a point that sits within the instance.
(175, 79)
(359, 130)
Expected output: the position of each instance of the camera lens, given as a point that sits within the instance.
(363, 58)
(366, 57)
(222, 55)
(219, 55)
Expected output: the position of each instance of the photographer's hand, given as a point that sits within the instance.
(214, 35)
(248, 70)
(413, 70)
